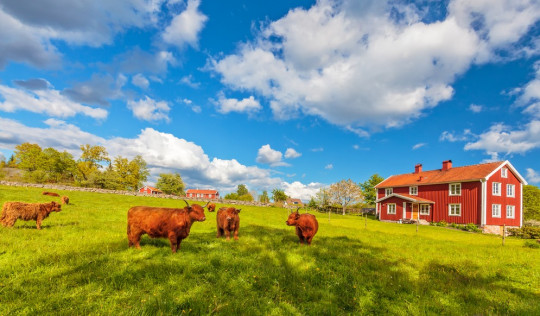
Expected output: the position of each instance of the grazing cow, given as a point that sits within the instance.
(65, 200)
(306, 226)
(211, 207)
(228, 221)
(12, 211)
(50, 193)
(171, 223)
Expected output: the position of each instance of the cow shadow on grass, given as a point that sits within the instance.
(267, 271)
(45, 226)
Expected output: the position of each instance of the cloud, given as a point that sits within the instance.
(533, 176)
(138, 61)
(247, 105)
(529, 95)
(452, 137)
(359, 66)
(315, 150)
(298, 190)
(267, 155)
(149, 109)
(419, 145)
(501, 138)
(33, 84)
(188, 81)
(30, 32)
(186, 26)
(98, 90)
(291, 153)
(329, 166)
(194, 108)
(140, 81)
(49, 102)
(475, 108)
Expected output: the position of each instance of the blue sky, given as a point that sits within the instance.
(275, 94)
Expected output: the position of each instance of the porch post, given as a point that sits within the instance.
(404, 209)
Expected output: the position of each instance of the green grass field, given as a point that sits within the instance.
(80, 264)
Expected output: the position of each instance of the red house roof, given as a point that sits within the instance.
(453, 174)
(201, 191)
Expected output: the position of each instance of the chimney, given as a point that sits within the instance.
(447, 164)
(418, 168)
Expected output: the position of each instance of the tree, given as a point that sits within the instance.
(242, 190)
(312, 203)
(279, 195)
(93, 158)
(345, 192)
(130, 174)
(368, 189)
(231, 196)
(171, 183)
(531, 202)
(322, 197)
(264, 197)
(29, 157)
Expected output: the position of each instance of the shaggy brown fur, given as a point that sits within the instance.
(228, 221)
(12, 211)
(65, 200)
(211, 207)
(50, 193)
(172, 223)
(306, 226)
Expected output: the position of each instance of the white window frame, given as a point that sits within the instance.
(450, 209)
(510, 190)
(413, 190)
(495, 207)
(496, 189)
(511, 208)
(388, 191)
(423, 210)
(504, 172)
(454, 189)
(388, 208)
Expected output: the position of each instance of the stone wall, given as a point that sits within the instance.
(50, 186)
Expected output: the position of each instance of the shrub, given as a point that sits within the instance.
(442, 224)
(526, 232)
(535, 244)
(454, 225)
(471, 228)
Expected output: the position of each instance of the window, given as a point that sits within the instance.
(413, 190)
(392, 208)
(424, 209)
(510, 211)
(455, 189)
(510, 190)
(496, 188)
(504, 172)
(388, 191)
(496, 210)
(454, 209)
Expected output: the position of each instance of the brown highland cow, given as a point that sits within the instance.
(306, 226)
(50, 193)
(65, 200)
(211, 207)
(228, 221)
(12, 211)
(171, 223)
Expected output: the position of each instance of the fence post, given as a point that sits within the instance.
(365, 221)
(504, 234)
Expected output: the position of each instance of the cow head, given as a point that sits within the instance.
(55, 207)
(211, 207)
(232, 214)
(293, 217)
(196, 212)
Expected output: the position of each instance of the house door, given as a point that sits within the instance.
(415, 211)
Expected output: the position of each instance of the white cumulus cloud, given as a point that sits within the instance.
(226, 105)
(140, 81)
(269, 156)
(533, 176)
(149, 109)
(291, 153)
(186, 26)
(501, 138)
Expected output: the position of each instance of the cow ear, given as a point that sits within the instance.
(238, 210)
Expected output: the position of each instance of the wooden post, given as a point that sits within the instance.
(365, 222)
(504, 234)
(417, 225)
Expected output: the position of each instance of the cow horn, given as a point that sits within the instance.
(298, 209)
(187, 203)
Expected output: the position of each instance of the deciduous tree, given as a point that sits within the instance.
(171, 183)
(345, 192)
(368, 189)
(279, 195)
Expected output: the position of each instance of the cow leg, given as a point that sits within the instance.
(173, 240)
(219, 232)
(236, 233)
(308, 239)
(38, 222)
(134, 238)
(299, 234)
(227, 234)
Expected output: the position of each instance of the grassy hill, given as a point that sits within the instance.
(79, 263)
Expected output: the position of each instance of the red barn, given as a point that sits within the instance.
(488, 195)
(150, 190)
(203, 194)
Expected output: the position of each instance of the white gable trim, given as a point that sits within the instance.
(512, 169)
(404, 198)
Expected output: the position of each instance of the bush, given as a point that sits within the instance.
(442, 224)
(471, 228)
(526, 232)
(532, 244)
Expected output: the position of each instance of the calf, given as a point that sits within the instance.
(12, 211)
(171, 223)
(228, 221)
(211, 207)
(50, 193)
(306, 226)
(65, 200)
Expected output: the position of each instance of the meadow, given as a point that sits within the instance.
(80, 264)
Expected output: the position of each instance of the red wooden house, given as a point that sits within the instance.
(150, 190)
(206, 194)
(488, 195)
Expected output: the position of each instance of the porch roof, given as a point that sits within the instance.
(406, 197)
